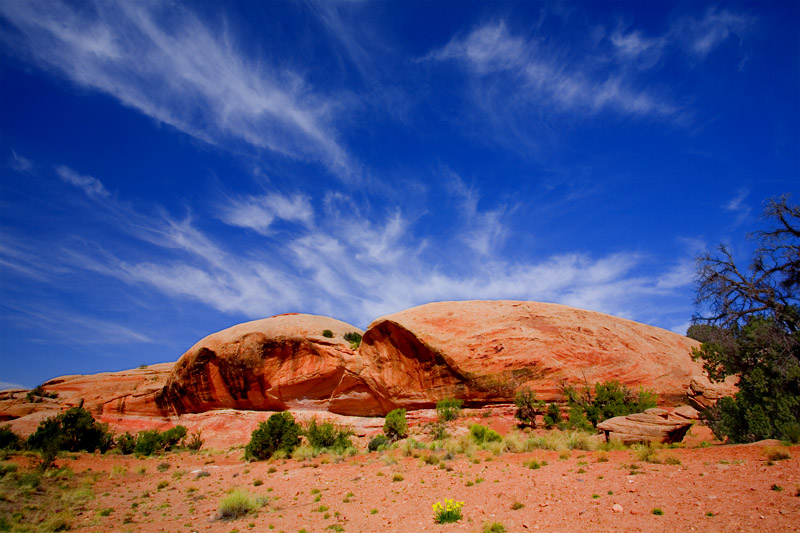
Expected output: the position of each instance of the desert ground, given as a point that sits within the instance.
(700, 485)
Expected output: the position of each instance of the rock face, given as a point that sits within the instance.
(654, 425)
(703, 393)
(483, 351)
(274, 364)
(478, 351)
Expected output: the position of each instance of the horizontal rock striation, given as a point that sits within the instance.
(274, 364)
(484, 351)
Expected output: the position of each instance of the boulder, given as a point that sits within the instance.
(703, 393)
(273, 364)
(654, 425)
(686, 411)
(484, 351)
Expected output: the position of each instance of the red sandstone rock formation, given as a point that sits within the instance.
(654, 425)
(277, 363)
(479, 351)
(483, 351)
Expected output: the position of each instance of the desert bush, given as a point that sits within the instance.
(354, 338)
(378, 442)
(395, 426)
(151, 441)
(327, 435)
(482, 434)
(279, 433)
(328, 334)
(528, 407)
(196, 441)
(8, 439)
(776, 453)
(236, 504)
(448, 409)
(35, 395)
(609, 399)
(125, 443)
(73, 430)
(494, 527)
(552, 417)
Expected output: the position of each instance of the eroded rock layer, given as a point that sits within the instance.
(272, 364)
(483, 351)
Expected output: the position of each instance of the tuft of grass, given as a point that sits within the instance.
(105, 512)
(494, 527)
(776, 453)
(777, 488)
(602, 457)
(709, 514)
(163, 467)
(672, 460)
(236, 504)
(657, 511)
(516, 506)
(162, 484)
(258, 483)
(397, 477)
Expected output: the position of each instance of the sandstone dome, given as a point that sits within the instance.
(271, 364)
(483, 351)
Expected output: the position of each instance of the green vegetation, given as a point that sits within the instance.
(236, 504)
(449, 511)
(448, 409)
(658, 511)
(482, 434)
(73, 430)
(35, 395)
(609, 399)
(748, 322)
(9, 440)
(328, 334)
(528, 407)
(378, 442)
(494, 527)
(395, 426)
(279, 433)
(354, 338)
(328, 436)
(151, 441)
(552, 417)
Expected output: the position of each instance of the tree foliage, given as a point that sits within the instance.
(279, 432)
(527, 407)
(395, 426)
(606, 400)
(748, 321)
(73, 430)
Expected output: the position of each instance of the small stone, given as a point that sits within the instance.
(617, 508)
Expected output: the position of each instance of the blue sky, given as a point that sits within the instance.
(171, 169)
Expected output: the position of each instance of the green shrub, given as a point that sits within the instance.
(125, 443)
(609, 399)
(196, 442)
(552, 417)
(494, 527)
(395, 426)
(237, 504)
(448, 409)
(328, 334)
(354, 338)
(8, 439)
(35, 395)
(482, 434)
(279, 433)
(326, 435)
(527, 407)
(73, 430)
(377, 442)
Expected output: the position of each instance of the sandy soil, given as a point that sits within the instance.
(715, 488)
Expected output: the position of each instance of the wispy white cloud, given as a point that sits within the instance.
(188, 75)
(739, 207)
(259, 212)
(91, 186)
(717, 25)
(20, 164)
(6, 385)
(535, 75)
